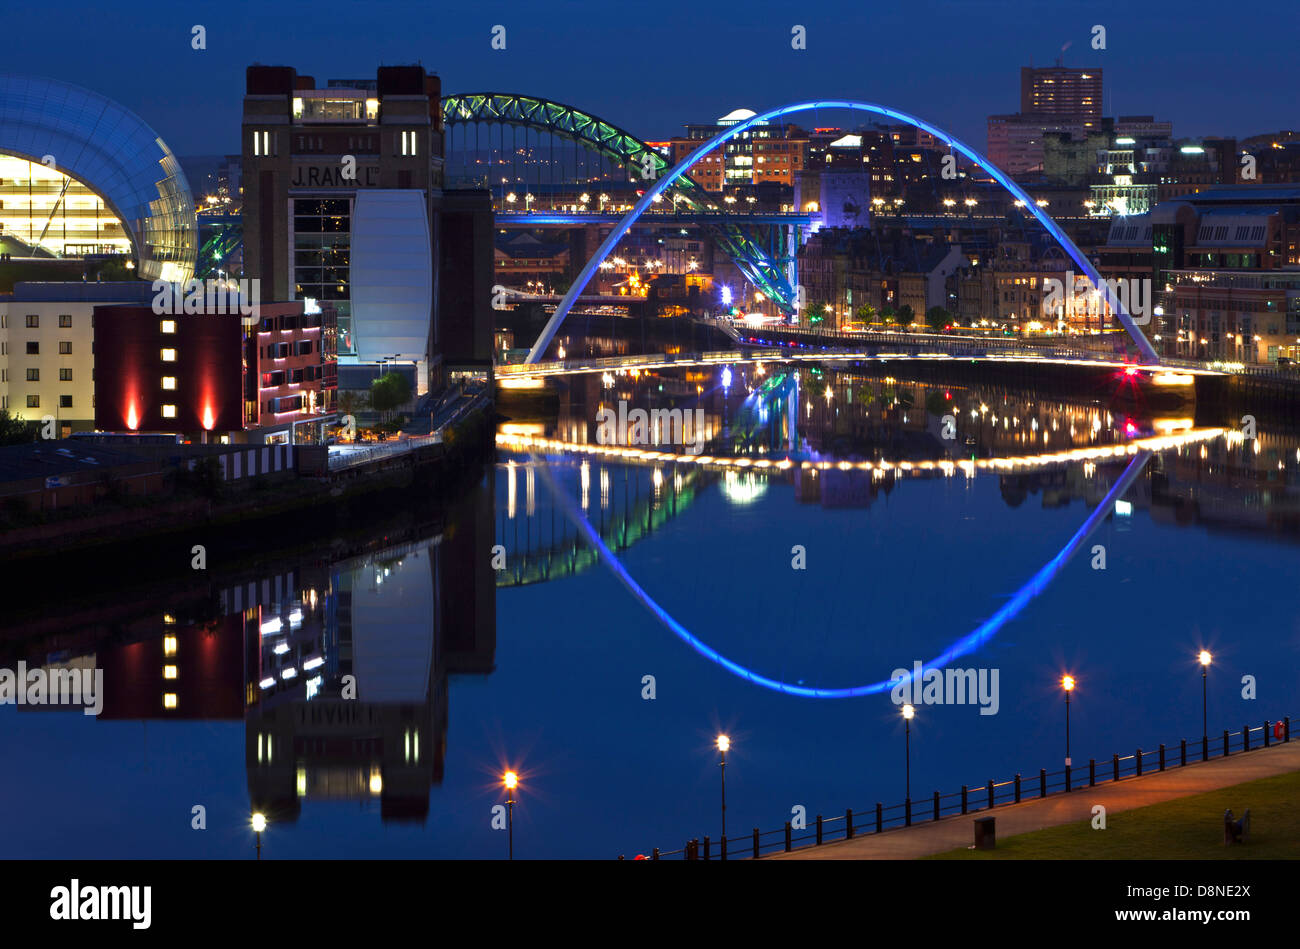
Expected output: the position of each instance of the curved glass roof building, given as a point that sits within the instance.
(64, 148)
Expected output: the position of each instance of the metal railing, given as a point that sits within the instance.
(972, 799)
(340, 461)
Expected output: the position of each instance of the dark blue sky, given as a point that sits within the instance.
(953, 62)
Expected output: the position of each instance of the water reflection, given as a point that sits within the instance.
(339, 668)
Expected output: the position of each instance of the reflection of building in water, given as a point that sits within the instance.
(398, 622)
(623, 504)
(1233, 484)
(669, 400)
(849, 415)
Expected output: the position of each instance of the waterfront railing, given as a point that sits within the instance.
(974, 798)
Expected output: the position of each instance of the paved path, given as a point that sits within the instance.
(950, 833)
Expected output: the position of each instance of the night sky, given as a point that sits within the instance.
(1193, 62)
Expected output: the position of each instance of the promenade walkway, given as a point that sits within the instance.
(957, 831)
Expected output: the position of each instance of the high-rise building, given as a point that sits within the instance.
(1060, 90)
(344, 203)
(1053, 100)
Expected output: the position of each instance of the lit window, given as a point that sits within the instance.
(169, 411)
(169, 326)
(169, 355)
(169, 672)
(169, 645)
(169, 700)
(169, 382)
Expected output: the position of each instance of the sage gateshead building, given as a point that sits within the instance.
(81, 176)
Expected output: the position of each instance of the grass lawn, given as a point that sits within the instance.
(1190, 828)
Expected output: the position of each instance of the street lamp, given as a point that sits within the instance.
(1067, 683)
(511, 780)
(723, 744)
(1204, 658)
(908, 714)
(259, 825)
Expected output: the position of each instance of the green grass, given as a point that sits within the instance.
(1190, 828)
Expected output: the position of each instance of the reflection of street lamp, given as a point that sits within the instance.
(908, 714)
(723, 744)
(1204, 658)
(511, 780)
(259, 825)
(1067, 683)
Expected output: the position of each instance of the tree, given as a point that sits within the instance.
(817, 312)
(867, 313)
(887, 314)
(390, 391)
(351, 401)
(15, 430)
(905, 317)
(937, 318)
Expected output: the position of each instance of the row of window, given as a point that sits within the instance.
(302, 347)
(34, 402)
(34, 348)
(34, 321)
(34, 375)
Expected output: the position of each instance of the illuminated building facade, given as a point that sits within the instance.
(343, 202)
(81, 176)
(210, 376)
(762, 153)
(1060, 90)
(47, 358)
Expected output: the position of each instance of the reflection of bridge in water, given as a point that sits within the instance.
(632, 504)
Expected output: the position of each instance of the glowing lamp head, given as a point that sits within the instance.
(1067, 683)
(511, 780)
(1204, 658)
(259, 822)
(908, 712)
(723, 743)
(726, 377)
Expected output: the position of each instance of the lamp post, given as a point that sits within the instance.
(259, 825)
(1067, 683)
(511, 780)
(723, 744)
(1204, 658)
(908, 714)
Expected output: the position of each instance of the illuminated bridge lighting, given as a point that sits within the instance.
(516, 372)
(666, 180)
(1174, 439)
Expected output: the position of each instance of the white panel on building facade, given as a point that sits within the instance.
(391, 274)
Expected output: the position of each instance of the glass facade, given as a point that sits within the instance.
(322, 254)
(112, 154)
